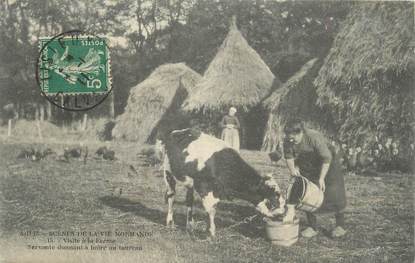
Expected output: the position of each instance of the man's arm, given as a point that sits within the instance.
(323, 173)
(323, 150)
(291, 167)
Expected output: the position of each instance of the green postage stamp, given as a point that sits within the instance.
(74, 65)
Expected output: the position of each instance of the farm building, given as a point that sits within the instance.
(237, 77)
(296, 98)
(153, 105)
(367, 79)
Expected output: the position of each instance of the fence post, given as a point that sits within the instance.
(39, 131)
(9, 128)
(84, 121)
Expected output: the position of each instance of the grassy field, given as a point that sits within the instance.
(52, 195)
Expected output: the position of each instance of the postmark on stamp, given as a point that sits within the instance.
(74, 64)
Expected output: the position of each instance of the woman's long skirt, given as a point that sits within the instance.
(231, 137)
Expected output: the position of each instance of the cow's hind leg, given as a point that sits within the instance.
(169, 197)
(188, 183)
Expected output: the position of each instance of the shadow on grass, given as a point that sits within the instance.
(234, 214)
(126, 205)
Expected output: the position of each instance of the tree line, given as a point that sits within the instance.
(147, 33)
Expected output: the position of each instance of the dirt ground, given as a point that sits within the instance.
(51, 195)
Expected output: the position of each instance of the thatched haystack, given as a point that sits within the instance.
(296, 98)
(238, 77)
(367, 80)
(153, 104)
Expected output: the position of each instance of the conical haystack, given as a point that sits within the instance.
(296, 98)
(367, 80)
(154, 103)
(237, 76)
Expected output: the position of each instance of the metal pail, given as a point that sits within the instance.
(309, 195)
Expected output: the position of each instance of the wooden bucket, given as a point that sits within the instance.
(282, 234)
(311, 197)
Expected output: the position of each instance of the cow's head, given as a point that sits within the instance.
(182, 138)
(274, 202)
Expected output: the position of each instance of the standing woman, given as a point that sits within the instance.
(230, 129)
(309, 154)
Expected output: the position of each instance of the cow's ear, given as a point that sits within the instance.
(273, 184)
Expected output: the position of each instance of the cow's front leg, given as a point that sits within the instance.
(169, 219)
(170, 193)
(209, 203)
(189, 203)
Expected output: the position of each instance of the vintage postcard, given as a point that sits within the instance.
(206, 131)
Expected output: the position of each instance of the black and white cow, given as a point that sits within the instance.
(216, 171)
